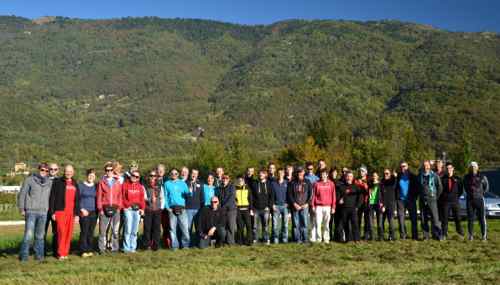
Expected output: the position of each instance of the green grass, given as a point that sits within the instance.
(402, 262)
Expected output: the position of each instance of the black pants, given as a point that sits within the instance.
(475, 209)
(411, 207)
(374, 213)
(53, 226)
(429, 212)
(219, 236)
(87, 228)
(244, 231)
(389, 216)
(444, 212)
(364, 217)
(152, 229)
(349, 223)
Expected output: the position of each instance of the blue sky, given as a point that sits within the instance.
(455, 15)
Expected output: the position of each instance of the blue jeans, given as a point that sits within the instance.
(300, 221)
(132, 219)
(180, 221)
(34, 226)
(191, 216)
(280, 214)
(262, 217)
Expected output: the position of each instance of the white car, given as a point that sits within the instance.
(491, 205)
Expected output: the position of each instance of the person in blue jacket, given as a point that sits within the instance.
(176, 191)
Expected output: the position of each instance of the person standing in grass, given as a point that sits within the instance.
(452, 190)
(323, 205)
(375, 206)
(299, 195)
(53, 174)
(212, 224)
(88, 216)
(64, 209)
(350, 198)
(289, 173)
(388, 189)
(184, 175)
(363, 211)
(279, 189)
(133, 208)
(227, 198)
(176, 191)
(244, 220)
(430, 190)
(33, 204)
(109, 204)
(406, 200)
(152, 213)
(209, 189)
(194, 202)
(165, 223)
(312, 178)
(262, 202)
(476, 185)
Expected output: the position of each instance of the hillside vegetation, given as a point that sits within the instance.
(137, 88)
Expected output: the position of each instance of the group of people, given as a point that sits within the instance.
(181, 211)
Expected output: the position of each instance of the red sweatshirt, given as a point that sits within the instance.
(107, 196)
(133, 194)
(363, 185)
(324, 194)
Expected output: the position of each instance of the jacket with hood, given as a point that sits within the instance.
(475, 186)
(109, 196)
(35, 194)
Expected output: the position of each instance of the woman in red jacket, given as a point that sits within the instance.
(64, 209)
(109, 204)
(133, 205)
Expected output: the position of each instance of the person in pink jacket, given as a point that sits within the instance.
(133, 205)
(323, 205)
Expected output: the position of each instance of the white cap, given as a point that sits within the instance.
(474, 164)
(363, 169)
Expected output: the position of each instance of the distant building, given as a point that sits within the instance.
(9, 189)
(20, 168)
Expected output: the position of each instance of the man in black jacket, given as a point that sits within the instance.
(299, 195)
(452, 190)
(226, 194)
(261, 203)
(350, 199)
(406, 200)
(212, 224)
(475, 185)
(388, 187)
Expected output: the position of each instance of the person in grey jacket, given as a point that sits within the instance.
(430, 189)
(33, 204)
(475, 185)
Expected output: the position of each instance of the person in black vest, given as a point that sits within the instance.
(475, 185)
(388, 187)
(153, 212)
(350, 199)
(448, 200)
(262, 201)
(211, 224)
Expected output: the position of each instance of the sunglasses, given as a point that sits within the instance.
(174, 173)
(135, 176)
(53, 169)
(152, 175)
(387, 173)
(215, 202)
(109, 169)
(44, 170)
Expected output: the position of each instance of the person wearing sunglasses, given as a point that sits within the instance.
(133, 208)
(53, 174)
(388, 187)
(406, 200)
(33, 204)
(152, 214)
(64, 209)
(176, 191)
(212, 224)
(109, 204)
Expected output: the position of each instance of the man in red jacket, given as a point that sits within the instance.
(109, 204)
(323, 205)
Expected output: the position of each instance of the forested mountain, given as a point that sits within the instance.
(137, 88)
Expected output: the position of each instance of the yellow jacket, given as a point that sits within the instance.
(242, 196)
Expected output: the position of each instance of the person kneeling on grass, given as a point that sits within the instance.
(211, 224)
(133, 205)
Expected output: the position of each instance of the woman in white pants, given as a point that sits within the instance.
(323, 205)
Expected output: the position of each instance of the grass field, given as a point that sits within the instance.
(402, 262)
